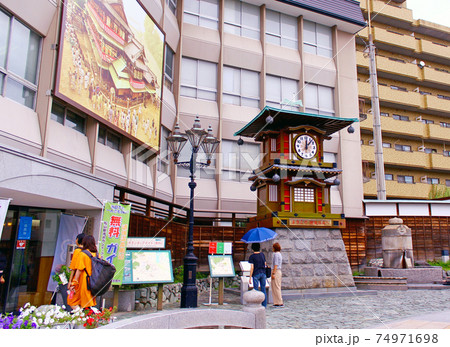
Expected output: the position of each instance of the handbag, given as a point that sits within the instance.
(268, 271)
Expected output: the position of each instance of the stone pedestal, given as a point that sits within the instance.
(312, 258)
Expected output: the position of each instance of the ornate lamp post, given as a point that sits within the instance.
(198, 138)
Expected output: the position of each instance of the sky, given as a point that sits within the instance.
(436, 11)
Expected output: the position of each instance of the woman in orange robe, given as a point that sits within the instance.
(82, 295)
(73, 267)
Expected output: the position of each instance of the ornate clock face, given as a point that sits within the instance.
(305, 146)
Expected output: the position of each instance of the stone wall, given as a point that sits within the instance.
(147, 297)
(312, 258)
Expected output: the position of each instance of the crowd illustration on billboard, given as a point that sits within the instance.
(111, 64)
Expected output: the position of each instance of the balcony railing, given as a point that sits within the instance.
(433, 48)
(399, 190)
(388, 10)
(394, 39)
(398, 158)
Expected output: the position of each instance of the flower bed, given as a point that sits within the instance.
(54, 317)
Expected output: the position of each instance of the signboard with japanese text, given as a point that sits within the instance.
(4, 204)
(25, 224)
(114, 233)
(147, 267)
(220, 247)
(146, 242)
(21, 244)
(310, 222)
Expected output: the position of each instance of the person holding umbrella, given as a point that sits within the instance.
(258, 271)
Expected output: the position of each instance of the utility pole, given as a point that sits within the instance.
(375, 101)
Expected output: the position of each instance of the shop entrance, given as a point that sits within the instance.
(28, 254)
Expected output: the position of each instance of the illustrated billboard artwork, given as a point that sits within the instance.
(110, 66)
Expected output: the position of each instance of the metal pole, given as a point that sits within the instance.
(189, 289)
(375, 101)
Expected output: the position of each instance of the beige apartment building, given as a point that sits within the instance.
(224, 60)
(413, 66)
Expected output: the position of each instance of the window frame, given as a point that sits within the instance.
(7, 75)
(111, 134)
(168, 76)
(279, 103)
(281, 36)
(319, 110)
(243, 28)
(67, 109)
(236, 165)
(253, 101)
(315, 45)
(199, 16)
(196, 88)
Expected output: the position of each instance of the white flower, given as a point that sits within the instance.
(40, 320)
(38, 314)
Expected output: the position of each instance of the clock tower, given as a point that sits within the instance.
(293, 186)
(294, 182)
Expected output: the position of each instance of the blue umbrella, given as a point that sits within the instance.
(259, 235)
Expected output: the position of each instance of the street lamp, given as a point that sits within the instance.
(198, 138)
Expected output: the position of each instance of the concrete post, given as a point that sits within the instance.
(254, 299)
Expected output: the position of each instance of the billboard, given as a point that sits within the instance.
(110, 65)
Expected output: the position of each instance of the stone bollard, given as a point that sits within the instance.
(254, 299)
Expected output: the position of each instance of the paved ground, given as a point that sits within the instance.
(386, 309)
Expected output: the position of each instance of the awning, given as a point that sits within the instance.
(282, 119)
(326, 172)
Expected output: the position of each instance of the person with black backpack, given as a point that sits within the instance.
(79, 294)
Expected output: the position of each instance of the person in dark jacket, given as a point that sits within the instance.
(258, 271)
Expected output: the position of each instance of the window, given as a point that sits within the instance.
(172, 4)
(405, 179)
(431, 180)
(319, 99)
(389, 177)
(280, 89)
(444, 124)
(168, 69)
(404, 148)
(262, 196)
(239, 161)
(427, 121)
(386, 145)
(68, 118)
(384, 114)
(400, 117)
(198, 79)
(445, 97)
(447, 183)
(163, 164)
(421, 92)
(402, 89)
(207, 172)
(430, 150)
(241, 19)
(240, 87)
(329, 157)
(281, 29)
(108, 138)
(19, 59)
(273, 193)
(317, 39)
(204, 13)
(304, 195)
(446, 153)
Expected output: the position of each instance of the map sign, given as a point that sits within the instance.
(148, 267)
(221, 266)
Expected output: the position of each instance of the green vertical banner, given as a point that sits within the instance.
(114, 233)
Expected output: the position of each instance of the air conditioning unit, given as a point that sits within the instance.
(371, 142)
(419, 119)
(421, 148)
(373, 174)
(417, 90)
(424, 179)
